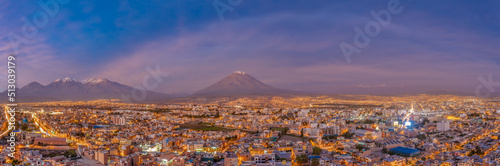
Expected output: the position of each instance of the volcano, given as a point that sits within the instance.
(240, 83)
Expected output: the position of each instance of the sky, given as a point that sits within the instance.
(425, 45)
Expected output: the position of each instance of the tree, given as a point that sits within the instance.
(315, 162)
(426, 121)
(70, 153)
(302, 159)
(471, 153)
(474, 115)
(80, 134)
(368, 121)
(478, 151)
(16, 162)
(24, 127)
(301, 132)
(348, 135)
(360, 147)
(421, 136)
(316, 151)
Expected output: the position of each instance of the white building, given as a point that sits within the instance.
(118, 120)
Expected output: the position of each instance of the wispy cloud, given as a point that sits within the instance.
(377, 86)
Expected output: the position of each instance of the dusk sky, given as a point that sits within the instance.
(293, 44)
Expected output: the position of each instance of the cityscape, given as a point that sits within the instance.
(249, 83)
(316, 130)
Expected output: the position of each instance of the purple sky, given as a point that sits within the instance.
(427, 46)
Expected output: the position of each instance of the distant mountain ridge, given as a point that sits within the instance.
(236, 84)
(73, 90)
(240, 83)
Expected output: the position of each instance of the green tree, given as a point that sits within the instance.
(368, 121)
(426, 121)
(70, 153)
(360, 147)
(348, 135)
(478, 151)
(24, 127)
(421, 136)
(302, 159)
(316, 151)
(315, 162)
(16, 162)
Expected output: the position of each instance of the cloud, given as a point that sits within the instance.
(35, 61)
(377, 86)
(276, 50)
(294, 49)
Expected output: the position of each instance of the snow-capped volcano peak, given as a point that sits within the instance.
(94, 81)
(239, 72)
(67, 79)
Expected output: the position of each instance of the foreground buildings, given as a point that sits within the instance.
(320, 130)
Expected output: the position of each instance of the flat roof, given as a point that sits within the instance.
(405, 150)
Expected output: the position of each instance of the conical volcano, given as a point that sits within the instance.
(239, 83)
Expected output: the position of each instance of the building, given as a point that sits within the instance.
(102, 157)
(390, 144)
(264, 158)
(394, 161)
(117, 120)
(404, 151)
(443, 126)
(53, 141)
(178, 161)
(230, 159)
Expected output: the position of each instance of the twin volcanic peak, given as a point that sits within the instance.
(71, 89)
(68, 82)
(239, 83)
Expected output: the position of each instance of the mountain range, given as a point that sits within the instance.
(236, 84)
(72, 90)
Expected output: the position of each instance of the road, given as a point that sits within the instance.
(475, 138)
(5, 127)
(48, 131)
(407, 117)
